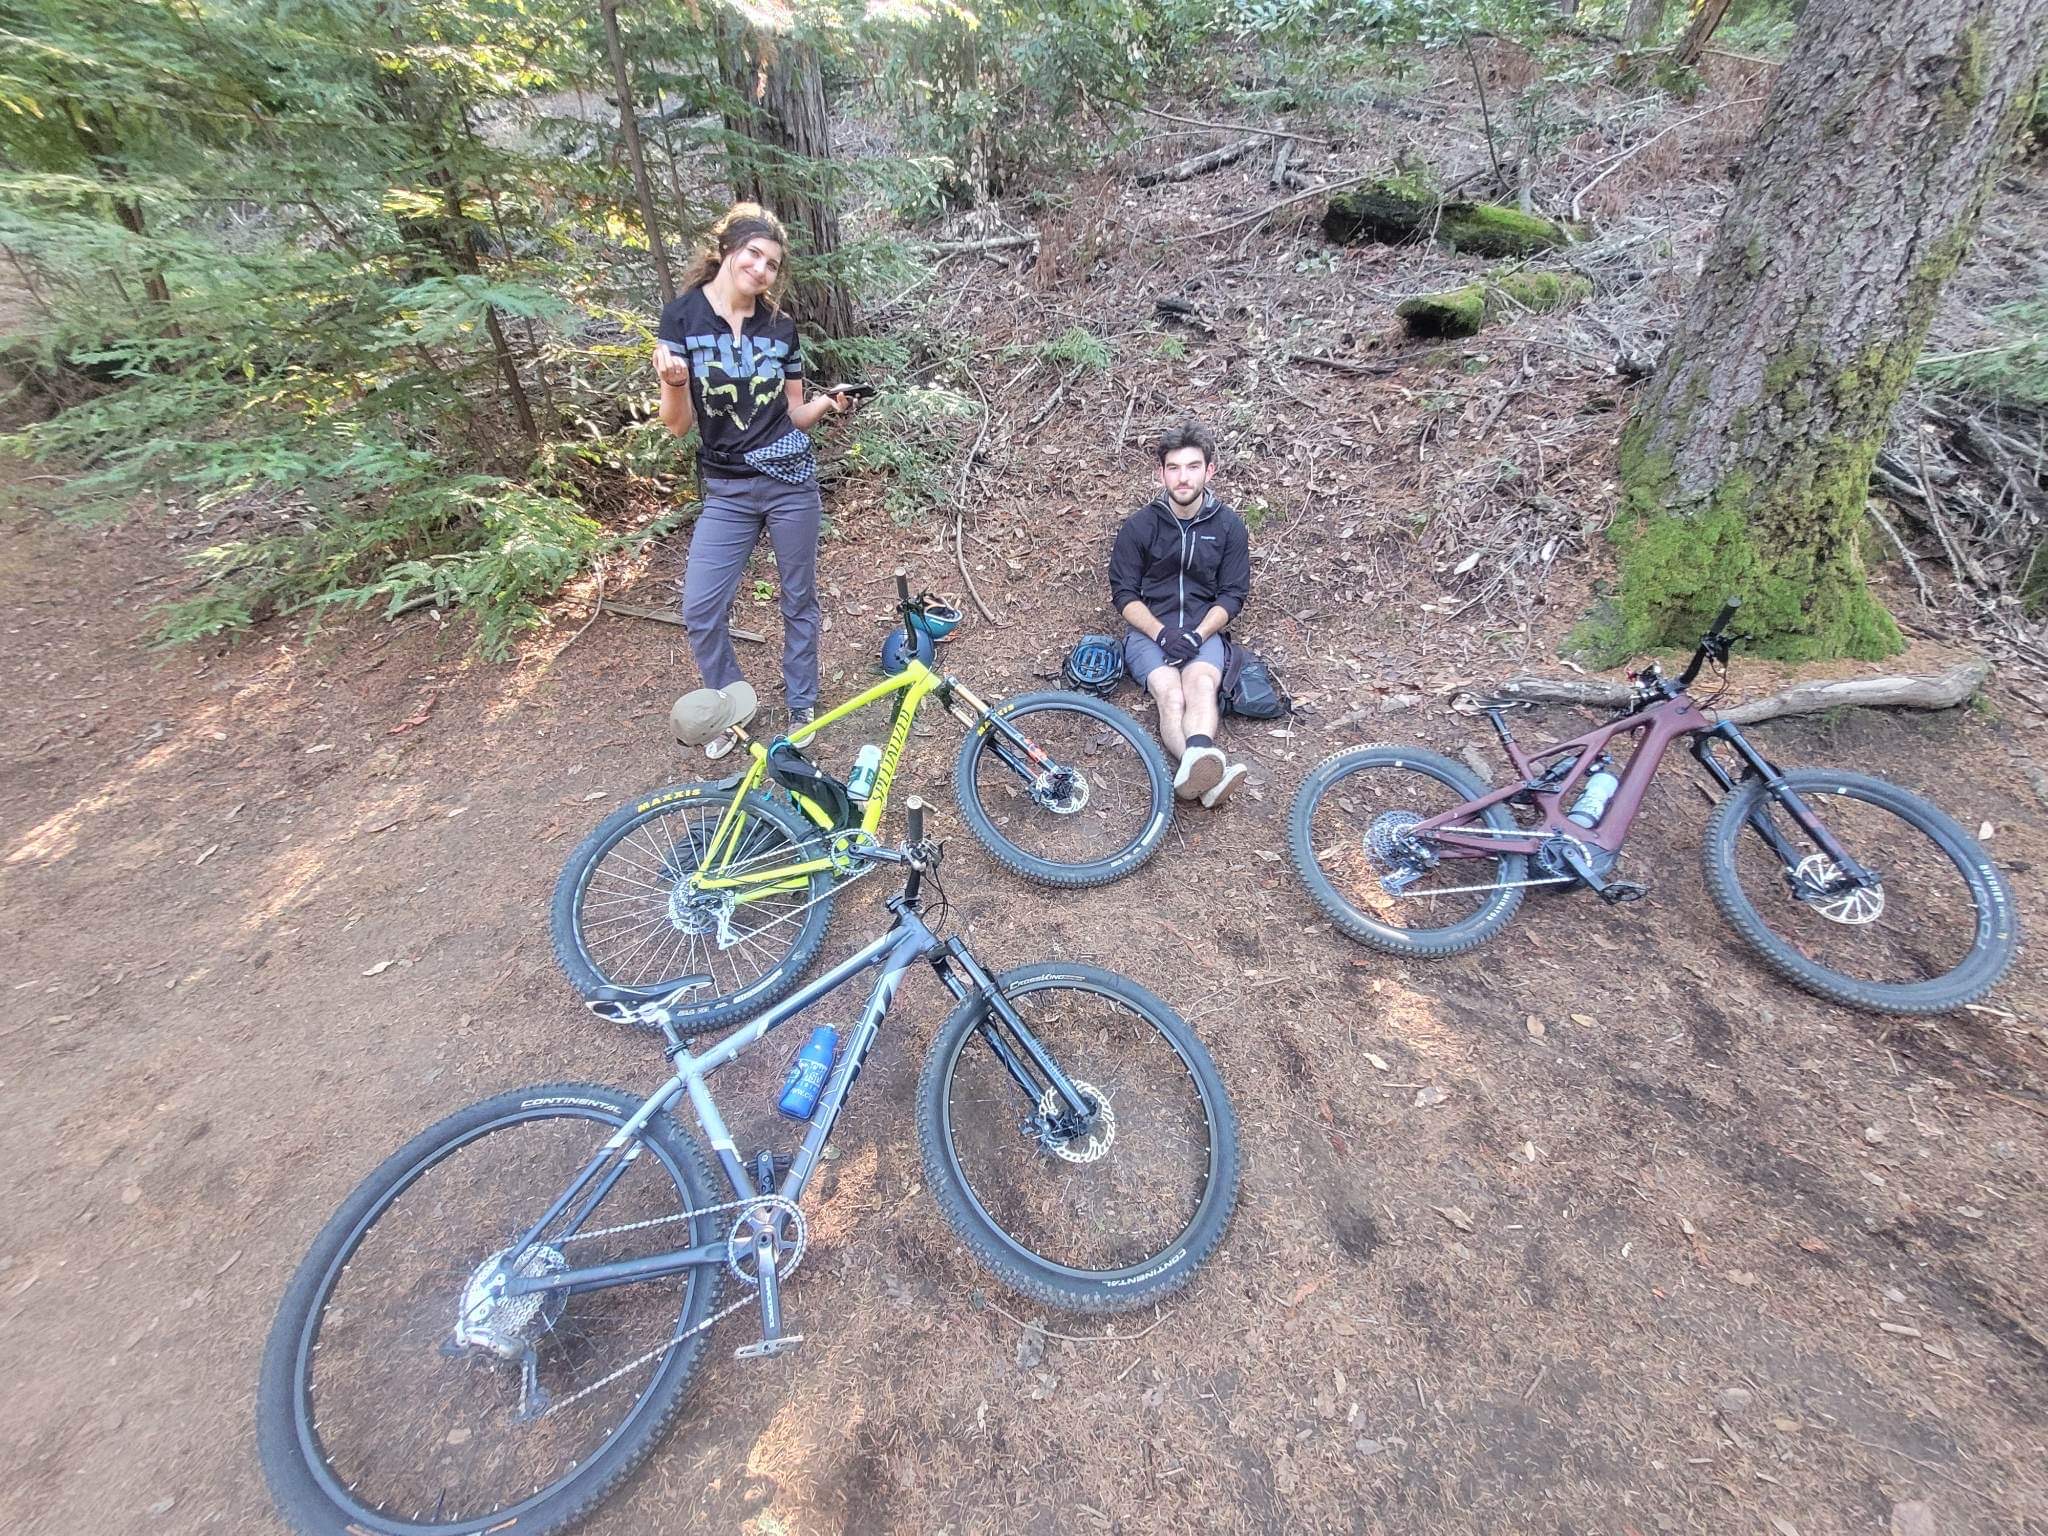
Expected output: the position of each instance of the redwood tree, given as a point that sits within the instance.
(1745, 463)
(776, 76)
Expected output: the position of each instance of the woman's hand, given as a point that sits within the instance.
(842, 403)
(669, 368)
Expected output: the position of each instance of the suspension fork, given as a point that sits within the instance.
(1757, 766)
(1021, 1052)
(1007, 742)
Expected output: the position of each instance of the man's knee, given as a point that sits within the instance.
(1165, 684)
(1200, 684)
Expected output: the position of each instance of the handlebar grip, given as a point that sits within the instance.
(914, 810)
(903, 586)
(1727, 612)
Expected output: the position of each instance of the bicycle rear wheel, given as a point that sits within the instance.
(1936, 932)
(1347, 834)
(1107, 1219)
(624, 914)
(1095, 815)
(366, 1424)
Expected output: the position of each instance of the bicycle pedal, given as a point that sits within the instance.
(1617, 892)
(761, 1349)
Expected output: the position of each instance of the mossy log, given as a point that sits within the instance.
(1464, 311)
(1390, 212)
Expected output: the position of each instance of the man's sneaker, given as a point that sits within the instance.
(721, 744)
(1201, 770)
(1224, 785)
(799, 718)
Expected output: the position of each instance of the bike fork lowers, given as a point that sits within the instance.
(1023, 1056)
(1759, 767)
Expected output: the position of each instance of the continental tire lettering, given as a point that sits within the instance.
(1151, 1274)
(610, 1109)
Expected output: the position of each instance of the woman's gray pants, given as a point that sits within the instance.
(736, 510)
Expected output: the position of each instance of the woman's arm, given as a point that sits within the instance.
(805, 414)
(677, 413)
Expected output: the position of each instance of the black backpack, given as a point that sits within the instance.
(1249, 687)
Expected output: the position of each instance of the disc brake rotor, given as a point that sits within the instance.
(1064, 793)
(695, 912)
(1101, 1134)
(1822, 886)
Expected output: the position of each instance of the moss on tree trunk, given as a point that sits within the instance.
(1745, 465)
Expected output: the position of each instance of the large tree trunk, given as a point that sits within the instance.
(1644, 19)
(1744, 465)
(779, 78)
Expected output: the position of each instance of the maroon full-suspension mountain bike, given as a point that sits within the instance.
(1847, 886)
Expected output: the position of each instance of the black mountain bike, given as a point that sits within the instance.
(498, 1325)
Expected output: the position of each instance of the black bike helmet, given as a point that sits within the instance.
(1095, 665)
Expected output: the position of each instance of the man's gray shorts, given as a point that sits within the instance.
(1143, 657)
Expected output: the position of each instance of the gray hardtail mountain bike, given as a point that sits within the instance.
(498, 1325)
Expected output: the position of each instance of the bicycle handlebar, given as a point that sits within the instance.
(1721, 619)
(915, 816)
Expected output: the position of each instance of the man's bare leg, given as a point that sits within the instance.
(1165, 686)
(1200, 715)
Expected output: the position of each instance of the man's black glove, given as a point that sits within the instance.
(1179, 644)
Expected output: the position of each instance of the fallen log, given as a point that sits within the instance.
(1945, 690)
(1197, 165)
(1464, 311)
(664, 616)
(1394, 211)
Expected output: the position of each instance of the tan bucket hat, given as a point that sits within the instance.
(697, 717)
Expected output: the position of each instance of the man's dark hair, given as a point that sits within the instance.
(1189, 434)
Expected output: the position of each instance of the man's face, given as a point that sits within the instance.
(1185, 474)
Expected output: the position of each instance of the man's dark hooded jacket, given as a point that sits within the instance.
(1179, 569)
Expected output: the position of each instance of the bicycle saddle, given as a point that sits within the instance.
(649, 994)
(699, 716)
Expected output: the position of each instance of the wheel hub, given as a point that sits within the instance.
(1063, 792)
(1819, 882)
(1387, 843)
(694, 912)
(1086, 1146)
(507, 1325)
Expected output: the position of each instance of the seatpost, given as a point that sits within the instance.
(914, 816)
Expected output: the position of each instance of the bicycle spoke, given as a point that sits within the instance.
(1360, 839)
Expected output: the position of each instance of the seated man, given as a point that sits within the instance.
(1180, 571)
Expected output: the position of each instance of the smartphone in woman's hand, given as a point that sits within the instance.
(853, 391)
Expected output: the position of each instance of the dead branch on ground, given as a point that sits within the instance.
(1943, 691)
(1199, 165)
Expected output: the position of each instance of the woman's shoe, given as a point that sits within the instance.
(721, 744)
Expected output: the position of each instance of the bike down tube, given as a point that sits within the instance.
(911, 942)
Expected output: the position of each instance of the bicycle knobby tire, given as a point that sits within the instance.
(1994, 942)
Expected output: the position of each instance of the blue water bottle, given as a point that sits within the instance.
(808, 1072)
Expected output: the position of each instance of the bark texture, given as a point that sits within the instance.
(1704, 20)
(1644, 19)
(1744, 465)
(629, 131)
(779, 79)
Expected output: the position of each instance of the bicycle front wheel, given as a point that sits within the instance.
(1090, 809)
(1937, 930)
(1348, 835)
(1120, 1212)
(371, 1415)
(625, 913)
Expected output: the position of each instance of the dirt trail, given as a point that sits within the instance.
(1671, 1193)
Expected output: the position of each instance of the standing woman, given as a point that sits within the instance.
(729, 362)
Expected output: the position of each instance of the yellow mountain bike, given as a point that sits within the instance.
(735, 880)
